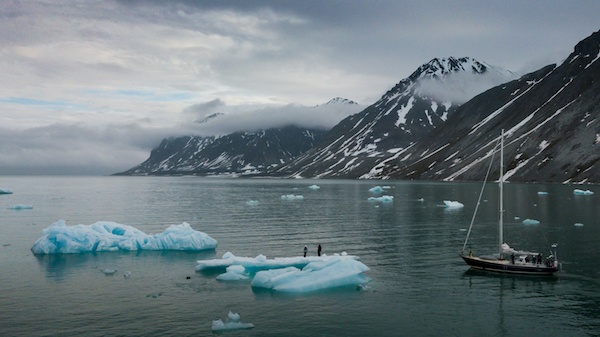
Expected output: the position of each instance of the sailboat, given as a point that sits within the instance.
(508, 260)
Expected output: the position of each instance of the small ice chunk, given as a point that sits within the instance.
(582, 192)
(109, 271)
(234, 317)
(383, 198)
(376, 190)
(531, 222)
(542, 193)
(19, 207)
(453, 204)
(5, 191)
(233, 273)
(314, 187)
(578, 224)
(421, 199)
(292, 197)
(232, 324)
(127, 274)
(252, 202)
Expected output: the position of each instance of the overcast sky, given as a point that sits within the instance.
(90, 87)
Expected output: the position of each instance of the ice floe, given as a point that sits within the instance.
(578, 224)
(5, 191)
(531, 222)
(252, 202)
(59, 238)
(314, 187)
(542, 193)
(291, 274)
(582, 192)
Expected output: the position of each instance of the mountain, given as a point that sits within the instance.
(237, 153)
(407, 113)
(552, 123)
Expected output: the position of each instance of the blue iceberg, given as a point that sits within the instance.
(383, 198)
(5, 191)
(19, 207)
(232, 324)
(582, 192)
(291, 274)
(104, 236)
(531, 222)
(376, 190)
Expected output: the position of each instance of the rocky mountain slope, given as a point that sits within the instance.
(552, 123)
(407, 113)
(238, 153)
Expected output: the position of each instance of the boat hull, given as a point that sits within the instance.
(504, 266)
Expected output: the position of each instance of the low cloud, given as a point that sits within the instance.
(227, 120)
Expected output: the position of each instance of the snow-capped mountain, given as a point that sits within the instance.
(408, 112)
(552, 123)
(240, 152)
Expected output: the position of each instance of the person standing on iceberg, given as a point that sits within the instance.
(319, 250)
(305, 251)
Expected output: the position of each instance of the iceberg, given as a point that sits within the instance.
(59, 238)
(291, 274)
(383, 198)
(453, 204)
(314, 187)
(582, 192)
(5, 191)
(542, 193)
(233, 323)
(252, 202)
(318, 275)
(261, 262)
(531, 222)
(18, 207)
(578, 224)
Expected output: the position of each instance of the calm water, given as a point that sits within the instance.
(419, 287)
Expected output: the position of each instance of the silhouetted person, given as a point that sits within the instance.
(305, 250)
(319, 250)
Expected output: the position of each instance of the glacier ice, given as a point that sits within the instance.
(314, 187)
(582, 192)
(542, 193)
(291, 274)
(531, 222)
(59, 238)
(578, 224)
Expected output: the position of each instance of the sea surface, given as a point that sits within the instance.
(419, 285)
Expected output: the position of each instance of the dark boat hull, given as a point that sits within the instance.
(504, 266)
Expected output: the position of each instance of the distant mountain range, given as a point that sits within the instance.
(437, 124)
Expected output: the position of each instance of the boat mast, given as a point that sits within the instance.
(500, 183)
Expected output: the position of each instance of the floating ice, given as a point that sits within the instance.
(531, 222)
(314, 187)
(5, 191)
(582, 192)
(59, 238)
(542, 193)
(578, 224)
(383, 198)
(233, 323)
(386, 187)
(109, 271)
(453, 204)
(252, 202)
(261, 262)
(234, 273)
(376, 190)
(318, 275)
(291, 197)
(18, 207)
(127, 274)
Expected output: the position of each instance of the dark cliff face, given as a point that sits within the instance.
(250, 153)
(552, 123)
